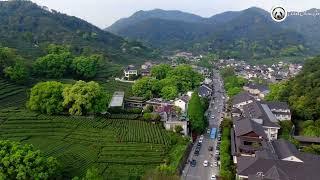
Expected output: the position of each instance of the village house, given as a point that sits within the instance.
(257, 90)
(182, 102)
(130, 71)
(242, 99)
(205, 91)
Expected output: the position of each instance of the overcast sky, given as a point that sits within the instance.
(103, 13)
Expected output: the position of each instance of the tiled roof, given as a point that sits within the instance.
(242, 97)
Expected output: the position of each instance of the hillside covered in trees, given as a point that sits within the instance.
(28, 28)
(302, 92)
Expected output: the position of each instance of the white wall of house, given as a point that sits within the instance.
(130, 73)
(271, 132)
(240, 105)
(181, 104)
(170, 125)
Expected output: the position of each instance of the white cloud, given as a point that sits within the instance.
(104, 12)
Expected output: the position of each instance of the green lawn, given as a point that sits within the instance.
(120, 149)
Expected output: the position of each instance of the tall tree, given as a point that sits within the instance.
(143, 87)
(18, 72)
(160, 71)
(85, 67)
(83, 98)
(196, 113)
(19, 161)
(55, 64)
(46, 97)
(169, 92)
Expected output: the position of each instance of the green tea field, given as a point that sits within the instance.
(12, 95)
(120, 149)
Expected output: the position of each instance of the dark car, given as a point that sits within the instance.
(199, 144)
(210, 148)
(196, 152)
(193, 163)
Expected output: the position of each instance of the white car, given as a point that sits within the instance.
(205, 163)
(201, 137)
(208, 131)
(200, 140)
(215, 164)
(213, 177)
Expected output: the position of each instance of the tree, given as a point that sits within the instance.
(143, 87)
(169, 92)
(85, 67)
(83, 98)
(18, 72)
(188, 78)
(7, 57)
(178, 129)
(53, 65)
(46, 97)
(19, 161)
(160, 71)
(278, 92)
(196, 114)
(313, 149)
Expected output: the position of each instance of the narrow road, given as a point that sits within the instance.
(215, 114)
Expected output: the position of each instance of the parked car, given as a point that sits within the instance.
(199, 144)
(205, 163)
(213, 177)
(201, 137)
(215, 164)
(193, 163)
(208, 131)
(210, 148)
(196, 153)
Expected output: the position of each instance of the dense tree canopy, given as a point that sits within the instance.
(19, 161)
(160, 71)
(169, 92)
(53, 65)
(167, 82)
(83, 98)
(196, 113)
(144, 87)
(46, 97)
(7, 58)
(17, 73)
(85, 67)
(302, 92)
(12, 65)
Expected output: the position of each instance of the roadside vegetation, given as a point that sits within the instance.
(196, 111)
(227, 170)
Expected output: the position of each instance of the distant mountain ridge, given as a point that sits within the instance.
(29, 28)
(139, 16)
(244, 34)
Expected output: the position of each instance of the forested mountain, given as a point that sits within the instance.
(28, 28)
(141, 16)
(250, 33)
